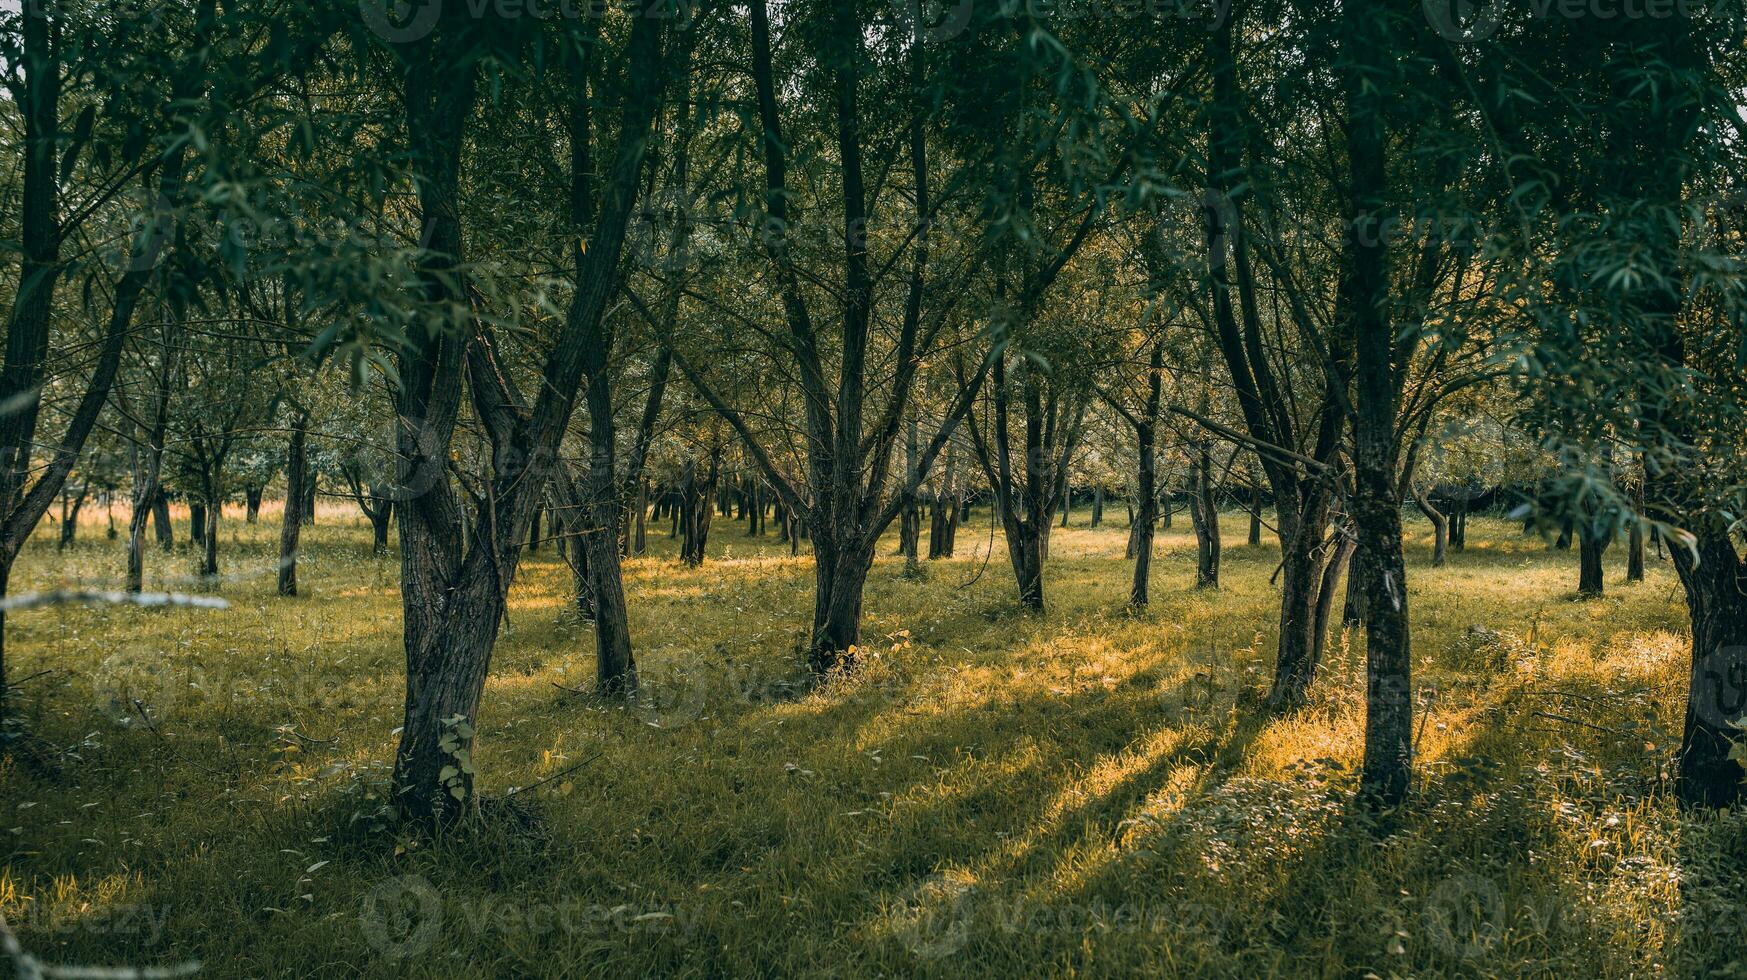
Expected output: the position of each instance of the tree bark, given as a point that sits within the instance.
(455, 578)
(291, 521)
(1204, 513)
(1591, 546)
(1388, 764)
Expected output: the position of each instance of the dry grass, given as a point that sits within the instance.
(1089, 793)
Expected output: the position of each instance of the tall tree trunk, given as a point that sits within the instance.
(291, 521)
(1388, 766)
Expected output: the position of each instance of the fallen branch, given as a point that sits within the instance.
(556, 775)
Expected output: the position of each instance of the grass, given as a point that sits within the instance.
(1091, 793)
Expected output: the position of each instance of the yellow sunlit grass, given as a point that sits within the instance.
(1094, 792)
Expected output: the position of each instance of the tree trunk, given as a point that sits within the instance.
(291, 521)
(197, 523)
(1097, 507)
(1296, 662)
(381, 519)
(639, 513)
(209, 557)
(1204, 513)
(1716, 596)
(1141, 524)
(1331, 586)
(1591, 573)
(840, 579)
(1388, 766)
(1255, 514)
(252, 500)
(161, 520)
(70, 509)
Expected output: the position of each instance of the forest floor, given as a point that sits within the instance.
(1091, 792)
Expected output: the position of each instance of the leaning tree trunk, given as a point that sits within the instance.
(291, 521)
(1440, 526)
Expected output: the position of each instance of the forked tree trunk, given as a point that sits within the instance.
(454, 585)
